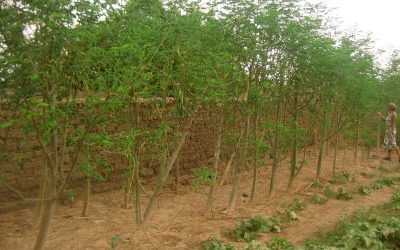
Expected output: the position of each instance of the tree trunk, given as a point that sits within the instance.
(86, 197)
(344, 153)
(177, 174)
(42, 193)
(335, 153)
(228, 167)
(138, 207)
(293, 161)
(322, 146)
(47, 215)
(255, 167)
(274, 167)
(163, 179)
(217, 152)
(357, 142)
(237, 170)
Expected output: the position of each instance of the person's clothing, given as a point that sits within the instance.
(390, 135)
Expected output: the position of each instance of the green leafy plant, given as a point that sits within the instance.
(343, 194)
(279, 243)
(216, 244)
(342, 178)
(292, 209)
(297, 205)
(256, 246)
(329, 193)
(204, 176)
(384, 181)
(248, 229)
(363, 190)
(317, 199)
(70, 194)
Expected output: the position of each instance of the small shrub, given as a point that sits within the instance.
(290, 215)
(256, 246)
(216, 244)
(248, 229)
(204, 176)
(377, 185)
(395, 201)
(316, 199)
(363, 190)
(280, 244)
(292, 209)
(297, 205)
(384, 181)
(343, 194)
(329, 193)
(342, 178)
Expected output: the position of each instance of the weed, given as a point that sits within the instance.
(316, 199)
(248, 229)
(384, 181)
(342, 178)
(280, 244)
(204, 176)
(343, 194)
(329, 193)
(256, 246)
(363, 190)
(216, 244)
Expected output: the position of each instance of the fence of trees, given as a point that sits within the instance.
(275, 72)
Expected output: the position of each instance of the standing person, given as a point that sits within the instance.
(390, 136)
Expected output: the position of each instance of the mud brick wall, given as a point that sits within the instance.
(24, 170)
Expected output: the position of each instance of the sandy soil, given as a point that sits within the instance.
(178, 223)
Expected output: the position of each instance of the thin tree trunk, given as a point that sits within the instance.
(228, 167)
(51, 192)
(217, 152)
(42, 193)
(48, 209)
(357, 142)
(138, 207)
(255, 167)
(177, 174)
(45, 221)
(378, 140)
(275, 164)
(163, 179)
(86, 196)
(293, 162)
(237, 170)
(344, 153)
(322, 146)
(335, 155)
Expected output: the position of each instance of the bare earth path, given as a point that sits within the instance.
(179, 222)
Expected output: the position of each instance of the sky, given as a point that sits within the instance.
(381, 18)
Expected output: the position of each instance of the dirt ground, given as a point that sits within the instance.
(178, 223)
